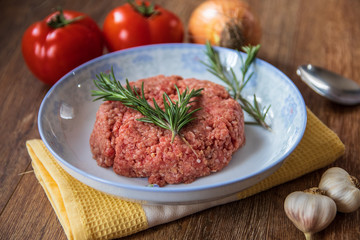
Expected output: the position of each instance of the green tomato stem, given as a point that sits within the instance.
(59, 20)
(143, 9)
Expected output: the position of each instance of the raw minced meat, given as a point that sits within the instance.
(137, 149)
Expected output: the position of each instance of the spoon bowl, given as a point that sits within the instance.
(330, 85)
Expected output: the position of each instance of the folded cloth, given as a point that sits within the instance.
(86, 213)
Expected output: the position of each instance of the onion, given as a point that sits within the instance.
(226, 23)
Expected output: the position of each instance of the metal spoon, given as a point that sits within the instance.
(330, 85)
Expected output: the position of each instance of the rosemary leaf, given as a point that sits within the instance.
(174, 117)
(234, 85)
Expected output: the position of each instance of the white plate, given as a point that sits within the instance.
(67, 115)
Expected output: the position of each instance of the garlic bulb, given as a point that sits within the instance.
(310, 210)
(342, 188)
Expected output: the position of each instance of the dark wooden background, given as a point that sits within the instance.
(321, 32)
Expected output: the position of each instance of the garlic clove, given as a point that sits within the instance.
(342, 188)
(310, 210)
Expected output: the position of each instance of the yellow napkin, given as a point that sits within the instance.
(86, 213)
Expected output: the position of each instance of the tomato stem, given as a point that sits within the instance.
(144, 9)
(59, 20)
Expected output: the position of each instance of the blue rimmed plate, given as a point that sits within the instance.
(67, 115)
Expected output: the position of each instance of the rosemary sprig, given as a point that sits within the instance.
(234, 85)
(174, 117)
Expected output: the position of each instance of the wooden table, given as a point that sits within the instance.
(321, 32)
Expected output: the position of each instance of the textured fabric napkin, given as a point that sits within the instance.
(86, 213)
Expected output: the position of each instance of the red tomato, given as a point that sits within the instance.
(52, 52)
(136, 24)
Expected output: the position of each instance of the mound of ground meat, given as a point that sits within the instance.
(137, 149)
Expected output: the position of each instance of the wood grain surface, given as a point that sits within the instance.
(321, 32)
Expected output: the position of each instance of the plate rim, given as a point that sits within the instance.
(167, 189)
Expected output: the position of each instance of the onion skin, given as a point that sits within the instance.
(226, 23)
